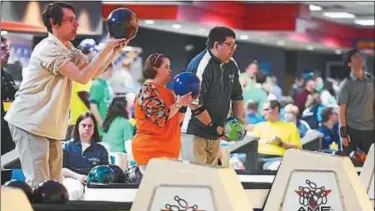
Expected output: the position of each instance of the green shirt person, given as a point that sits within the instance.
(101, 96)
(117, 128)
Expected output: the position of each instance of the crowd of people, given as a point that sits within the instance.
(66, 96)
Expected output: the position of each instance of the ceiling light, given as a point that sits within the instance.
(280, 42)
(149, 21)
(314, 7)
(244, 37)
(176, 26)
(369, 22)
(338, 15)
(310, 47)
(338, 51)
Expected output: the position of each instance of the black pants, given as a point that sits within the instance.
(359, 138)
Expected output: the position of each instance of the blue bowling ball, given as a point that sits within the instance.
(186, 82)
(101, 174)
(122, 23)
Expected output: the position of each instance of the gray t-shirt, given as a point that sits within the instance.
(358, 95)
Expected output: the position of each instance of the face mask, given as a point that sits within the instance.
(319, 87)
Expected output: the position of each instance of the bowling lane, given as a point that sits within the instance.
(255, 186)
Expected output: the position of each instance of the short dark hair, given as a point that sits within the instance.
(261, 77)
(153, 60)
(75, 133)
(219, 34)
(347, 57)
(54, 11)
(274, 104)
(252, 105)
(326, 113)
(254, 62)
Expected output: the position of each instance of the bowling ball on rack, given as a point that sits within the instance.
(122, 23)
(50, 192)
(358, 157)
(186, 82)
(20, 185)
(101, 174)
(119, 173)
(235, 129)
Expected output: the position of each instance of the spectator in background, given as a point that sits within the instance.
(276, 136)
(252, 115)
(328, 95)
(312, 113)
(309, 88)
(276, 90)
(116, 126)
(81, 154)
(297, 87)
(101, 95)
(256, 93)
(8, 91)
(268, 88)
(330, 130)
(292, 115)
(285, 100)
(248, 78)
(319, 82)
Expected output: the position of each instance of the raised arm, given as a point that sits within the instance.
(83, 72)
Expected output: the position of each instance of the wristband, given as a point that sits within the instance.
(343, 132)
(199, 110)
(213, 128)
(183, 109)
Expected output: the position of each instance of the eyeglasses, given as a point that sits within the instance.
(231, 45)
(70, 20)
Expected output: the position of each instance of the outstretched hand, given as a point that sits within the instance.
(113, 43)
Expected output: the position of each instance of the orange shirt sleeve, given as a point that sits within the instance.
(152, 105)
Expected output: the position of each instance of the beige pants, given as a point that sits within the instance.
(41, 157)
(206, 151)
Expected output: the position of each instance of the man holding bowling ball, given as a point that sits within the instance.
(38, 117)
(219, 76)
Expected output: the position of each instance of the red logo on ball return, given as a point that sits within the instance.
(312, 197)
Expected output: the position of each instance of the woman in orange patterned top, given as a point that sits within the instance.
(159, 114)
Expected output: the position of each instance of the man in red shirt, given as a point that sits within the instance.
(309, 87)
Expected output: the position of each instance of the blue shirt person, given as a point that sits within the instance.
(330, 130)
